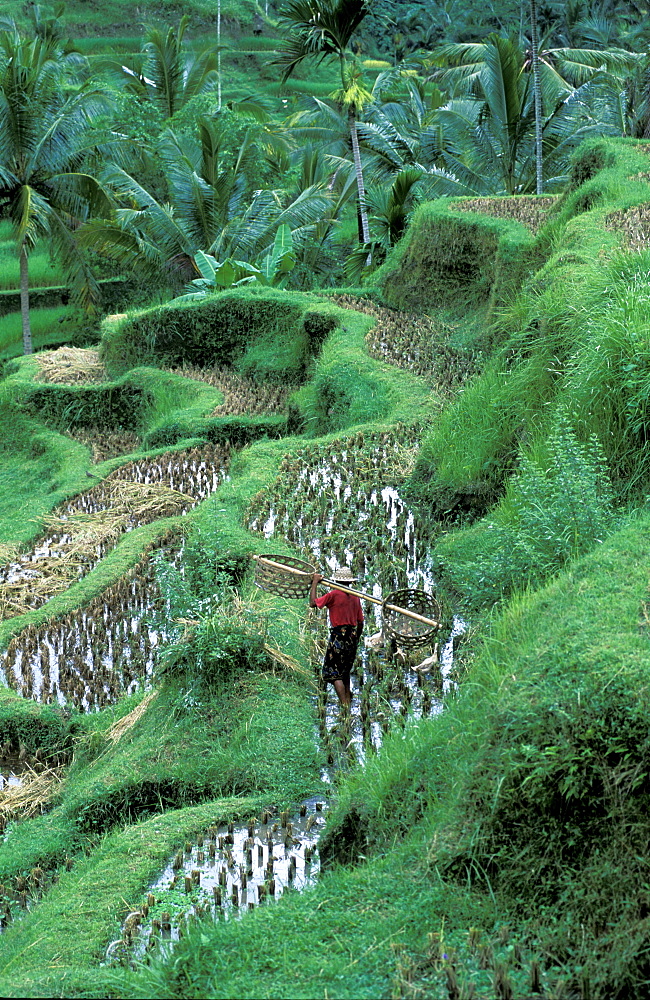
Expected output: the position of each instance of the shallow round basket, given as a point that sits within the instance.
(283, 580)
(407, 631)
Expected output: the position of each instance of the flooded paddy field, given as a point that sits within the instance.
(226, 872)
(339, 504)
(414, 341)
(84, 529)
(93, 655)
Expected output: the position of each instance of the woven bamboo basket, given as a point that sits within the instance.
(292, 581)
(409, 632)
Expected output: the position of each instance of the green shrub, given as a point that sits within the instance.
(455, 258)
(110, 406)
(474, 444)
(557, 506)
(589, 159)
(236, 431)
(265, 334)
(226, 636)
(23, 723)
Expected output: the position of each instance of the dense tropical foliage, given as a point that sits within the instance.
(452, 110)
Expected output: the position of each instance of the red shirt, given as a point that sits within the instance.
(344, 609)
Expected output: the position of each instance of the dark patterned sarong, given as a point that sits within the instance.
(340, 653)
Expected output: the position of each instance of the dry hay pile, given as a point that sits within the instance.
(122, 726)
(106, 444)
(634, 225)
(77, 541)
(242, 395)
(70, 365)
(530, 210)
(29, 798)
(415, 342)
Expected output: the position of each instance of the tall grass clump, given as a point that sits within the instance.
(607, 381)
(557, 506)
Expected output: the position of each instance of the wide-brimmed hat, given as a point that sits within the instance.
(344, 575)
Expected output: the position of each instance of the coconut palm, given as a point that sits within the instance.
(537, 96)
(487, 129)
(171, 75)
(45, 192)
(213, 204)
(322, 29)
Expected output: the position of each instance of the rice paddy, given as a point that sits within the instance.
(24, 893)
(242, 395)
(530, 210)
(633, 224)
(228, 871)
(93, 655)
(326, 494)
(324, 497)
(104, 444)
(415, 342)
(84, 529)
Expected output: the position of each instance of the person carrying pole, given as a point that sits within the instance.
(346, 626)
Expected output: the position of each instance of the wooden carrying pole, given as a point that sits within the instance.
(348, 590)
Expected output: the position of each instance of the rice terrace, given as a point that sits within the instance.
(324, 499)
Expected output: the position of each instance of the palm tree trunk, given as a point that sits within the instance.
(24, 301)
(361, 190)
(537, 95)
(219, 54)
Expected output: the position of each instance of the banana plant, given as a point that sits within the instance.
(271, 271)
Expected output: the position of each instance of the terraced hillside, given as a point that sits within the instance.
(173, 768)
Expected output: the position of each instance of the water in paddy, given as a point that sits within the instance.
(225, 873)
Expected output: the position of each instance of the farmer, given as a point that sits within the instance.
(346, 626)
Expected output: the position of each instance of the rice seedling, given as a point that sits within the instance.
(105, 444)
(633, 224)
(325, 494)
(92, 655)
(242, 395)
(530, 210)
(248, 864)
(416, 342)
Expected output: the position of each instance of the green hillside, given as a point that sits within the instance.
(458, 409)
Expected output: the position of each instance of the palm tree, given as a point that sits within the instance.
(213, 204)
(488, 127)
(44, 190)
(322, 29)
(537, 94)
(170, 75)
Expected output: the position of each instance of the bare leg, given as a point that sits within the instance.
(343, 691)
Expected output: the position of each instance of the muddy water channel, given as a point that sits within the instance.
(340, 504)
(228, 871)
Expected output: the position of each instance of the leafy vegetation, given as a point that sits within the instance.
(498, 848)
